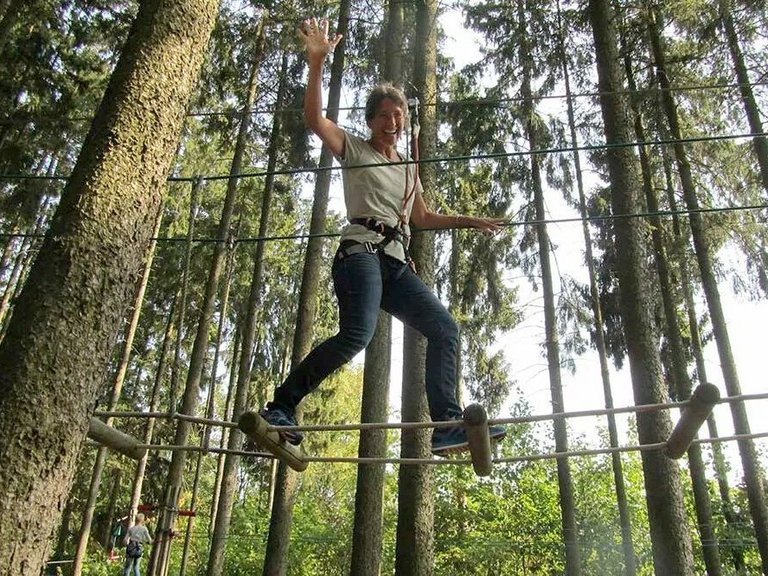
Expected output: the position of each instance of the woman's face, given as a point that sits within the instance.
(387, 123)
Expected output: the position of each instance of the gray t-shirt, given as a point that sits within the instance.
(376, 192)
(139, 533)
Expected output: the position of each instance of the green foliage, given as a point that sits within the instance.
(56, 65)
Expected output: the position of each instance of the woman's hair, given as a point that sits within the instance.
(384, 91)
(139, 517)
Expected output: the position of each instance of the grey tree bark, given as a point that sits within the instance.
(286, 480)
(160, 550)
(672, 552)
(680, 382)
(231, 390)
(86, 273)
(200, 347)
(719, 461)
(209, 413)
(235, 440)
(753, 474)
(415, 519)
(625, 517)
(117, 388)
(367, 531)
(552, 344)
(154, 399)
(22, 262)
(752, 110)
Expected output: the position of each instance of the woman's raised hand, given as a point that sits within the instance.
(315, 35)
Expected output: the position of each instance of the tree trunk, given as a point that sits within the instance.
(415, 519)
(200, 346)
(753, 475)
(154, 397)
(22, 262)
(86, 273)
(564, 479)
(721, 469)
(117, 388)
(12, 240)
(106, 537)
(14, 278)
(751, 109)
(286, 481)
(209, 413)
(63, 535)
(367, 532)
(680, 385)
(671, 542)
(162, 536)
(625, 517)
(232, 462)
(9, 14)
(231, 390)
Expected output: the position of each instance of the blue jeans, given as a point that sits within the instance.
(132, 566)
(363, 284)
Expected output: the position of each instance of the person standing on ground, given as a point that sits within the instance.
(372, 268)
(135, 539)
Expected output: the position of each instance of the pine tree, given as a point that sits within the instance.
(671, 541)
(86, 273)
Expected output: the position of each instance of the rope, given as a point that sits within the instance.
(437, 159)
(457, 461)
(513, 99)
(456, 103)
(509, 223)
(165, 415)
(642, 408)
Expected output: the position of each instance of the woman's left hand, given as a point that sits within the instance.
(490, 226)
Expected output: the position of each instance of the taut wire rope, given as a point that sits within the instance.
(452, 104)
(433, 160)
(509, 223)
(462, 461)
(422, 425)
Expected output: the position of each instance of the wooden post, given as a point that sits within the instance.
(114, 439)
(476, 426)
(704, 398)
(257, 429)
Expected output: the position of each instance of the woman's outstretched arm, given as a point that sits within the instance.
(317, 46)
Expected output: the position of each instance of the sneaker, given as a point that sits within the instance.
(449, 441)
(497, 433)
(279, 417)
(454, 440)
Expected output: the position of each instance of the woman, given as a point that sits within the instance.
(135, 539)
(371, 268)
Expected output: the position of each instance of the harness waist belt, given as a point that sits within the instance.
(389, 232)
(350, 247)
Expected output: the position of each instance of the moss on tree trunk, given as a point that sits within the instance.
(55, 353)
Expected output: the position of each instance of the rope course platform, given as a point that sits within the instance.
(695, 412)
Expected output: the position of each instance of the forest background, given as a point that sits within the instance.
(58, 59)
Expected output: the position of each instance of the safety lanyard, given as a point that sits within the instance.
(416, 128)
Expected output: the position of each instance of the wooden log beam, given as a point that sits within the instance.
(258, 430)
(702, 401)
(112, 438)
(476, 426)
